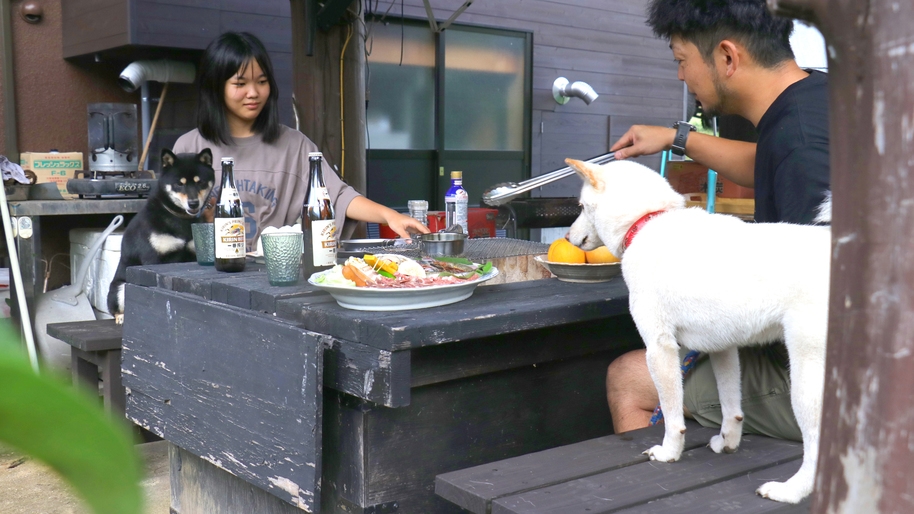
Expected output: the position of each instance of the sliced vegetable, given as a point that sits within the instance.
(352, 273)
(380, 265)
(456, 260)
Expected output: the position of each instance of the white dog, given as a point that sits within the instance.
(712, 283)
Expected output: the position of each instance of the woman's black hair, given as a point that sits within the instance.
(222, 60)
(705, 23)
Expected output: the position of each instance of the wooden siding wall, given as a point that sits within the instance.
(122, 31)
(602, 42)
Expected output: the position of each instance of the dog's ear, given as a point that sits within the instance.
(206, 157)
(586, 172)
(168, 158)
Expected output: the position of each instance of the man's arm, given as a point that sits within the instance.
(734, 160)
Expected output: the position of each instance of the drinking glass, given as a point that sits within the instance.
(204, 241)
(282, 253)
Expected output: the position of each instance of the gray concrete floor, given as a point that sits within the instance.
(29, 487)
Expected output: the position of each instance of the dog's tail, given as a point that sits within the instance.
(824, 211)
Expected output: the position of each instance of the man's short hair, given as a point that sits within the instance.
(705, 23)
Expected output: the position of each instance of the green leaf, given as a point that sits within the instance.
(455, 260)
(46, 418)
(485, 268)
(385, 273)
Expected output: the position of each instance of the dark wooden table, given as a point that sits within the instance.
(224, 367)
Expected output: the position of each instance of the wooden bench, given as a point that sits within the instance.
(96, 347)
(611, 474)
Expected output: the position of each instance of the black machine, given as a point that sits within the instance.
(113, 160)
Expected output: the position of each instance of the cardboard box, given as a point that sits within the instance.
(52, 167)
(690, 177)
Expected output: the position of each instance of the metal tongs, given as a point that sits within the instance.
(502, 193)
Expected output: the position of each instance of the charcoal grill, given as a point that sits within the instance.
(537, 213)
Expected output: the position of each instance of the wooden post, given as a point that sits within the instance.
(316, 82)
(866, 452)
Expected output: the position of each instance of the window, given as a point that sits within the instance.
(456, 100)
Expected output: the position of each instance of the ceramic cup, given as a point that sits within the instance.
(282, 256)
(204, 241)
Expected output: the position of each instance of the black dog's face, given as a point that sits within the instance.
(187, 179)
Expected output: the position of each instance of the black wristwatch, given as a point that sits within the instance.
(682, 134)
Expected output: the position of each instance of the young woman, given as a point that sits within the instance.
(237, 116)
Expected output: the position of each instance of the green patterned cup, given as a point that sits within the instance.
(204, 241)
(282, 256)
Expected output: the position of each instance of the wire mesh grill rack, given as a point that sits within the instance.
(474, 249)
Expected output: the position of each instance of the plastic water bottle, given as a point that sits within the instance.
(455, 203)
(418, 209)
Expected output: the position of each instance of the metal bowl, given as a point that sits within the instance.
(583, 273)
(442, 244)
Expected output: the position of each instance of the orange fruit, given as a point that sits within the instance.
(600, 256)
(562, 251)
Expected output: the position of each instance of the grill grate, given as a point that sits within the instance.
(474, 249)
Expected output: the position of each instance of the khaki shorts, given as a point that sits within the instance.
(765, 390)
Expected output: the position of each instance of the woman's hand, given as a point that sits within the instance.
(363, 209)
(404, 225)
(643, 140)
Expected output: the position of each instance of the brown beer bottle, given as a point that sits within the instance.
(228, 223)
(318, 222)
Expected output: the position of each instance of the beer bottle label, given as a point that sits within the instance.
(323, 242)
(229, 238)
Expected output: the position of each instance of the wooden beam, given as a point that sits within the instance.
(865, 453)
(316, 83)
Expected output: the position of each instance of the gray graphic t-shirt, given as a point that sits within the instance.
(272, 179)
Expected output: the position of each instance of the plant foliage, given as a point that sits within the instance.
(45, 418)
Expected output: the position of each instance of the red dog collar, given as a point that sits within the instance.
(637, 226)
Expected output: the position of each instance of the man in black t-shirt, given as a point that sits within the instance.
(736, 58)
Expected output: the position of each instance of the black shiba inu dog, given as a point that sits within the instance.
(161, 232)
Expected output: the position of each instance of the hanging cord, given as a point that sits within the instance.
(342, 117)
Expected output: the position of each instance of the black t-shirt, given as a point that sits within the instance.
(791, 160)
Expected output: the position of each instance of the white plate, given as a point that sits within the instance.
(373, 299)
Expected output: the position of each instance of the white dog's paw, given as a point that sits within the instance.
(118, 319)
(661, 454)
(781, 492)
(719, 444)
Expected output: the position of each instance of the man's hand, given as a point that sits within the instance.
(643, 140)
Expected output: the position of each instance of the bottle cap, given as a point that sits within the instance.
(315, 154)
(228, 160)
(456, 174)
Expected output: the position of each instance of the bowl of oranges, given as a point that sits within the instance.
(571, 264)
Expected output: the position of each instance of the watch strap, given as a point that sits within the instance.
(682, 135)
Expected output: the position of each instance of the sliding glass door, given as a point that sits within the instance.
(458, 100)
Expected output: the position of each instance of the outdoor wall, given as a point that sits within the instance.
(52, 94)
(602, 42)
